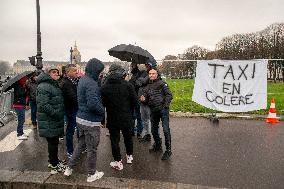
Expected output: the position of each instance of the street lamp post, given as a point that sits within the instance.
(38, 57)
(39, 53)
(71, 55)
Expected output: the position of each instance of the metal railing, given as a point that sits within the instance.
(185, 69)
(6, 111)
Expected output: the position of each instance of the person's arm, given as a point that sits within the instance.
(69, 94)
(143, 94)
(94, 101)
(133, 96)
(168, 94)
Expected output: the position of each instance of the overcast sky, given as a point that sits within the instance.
(163, 27)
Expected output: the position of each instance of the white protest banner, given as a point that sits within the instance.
(231, 85)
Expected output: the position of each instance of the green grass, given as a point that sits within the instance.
(182, 90)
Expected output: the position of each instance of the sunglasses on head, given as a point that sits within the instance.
(54, 71)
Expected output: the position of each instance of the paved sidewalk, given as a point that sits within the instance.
(35, 179)
(236, 153)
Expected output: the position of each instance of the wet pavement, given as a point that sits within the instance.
(233, 154)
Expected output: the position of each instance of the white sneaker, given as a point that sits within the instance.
(129, 159)
(95, 176)
(61, 166)
(107, 133)
(68, 171)
(22, 137)
(117, 165)
(26, 135)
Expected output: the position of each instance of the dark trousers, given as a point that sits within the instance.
(115, 139)
(70, 129)
(53, 150)
(162, 115)
(33, 111)
(21, 120)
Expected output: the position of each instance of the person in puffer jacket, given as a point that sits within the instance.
(50, 114)
(90, 114)
(158, 96)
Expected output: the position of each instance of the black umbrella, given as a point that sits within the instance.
(10, 83)
(131, 53)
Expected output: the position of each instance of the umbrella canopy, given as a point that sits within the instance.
(10, 83)
(131, 53)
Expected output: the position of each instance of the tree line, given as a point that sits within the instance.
(265, 44)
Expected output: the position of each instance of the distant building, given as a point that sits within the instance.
(75, 58)
(24, 65)
(75, 55)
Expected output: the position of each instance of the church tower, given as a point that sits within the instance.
(75, 55)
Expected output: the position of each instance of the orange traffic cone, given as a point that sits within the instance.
(271, 118)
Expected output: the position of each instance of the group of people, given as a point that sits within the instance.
(89, 102)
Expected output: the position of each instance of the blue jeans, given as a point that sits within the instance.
(137, 115)
(33, 112)
(70, 129)
(21, 120)
(162, 115)
(145, 115)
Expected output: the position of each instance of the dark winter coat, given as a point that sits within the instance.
(89, 93)
(137, 79)
(50, 107)
(119, 98)
(32, 87)
(69, 91)
(20, 95)
(157, 95)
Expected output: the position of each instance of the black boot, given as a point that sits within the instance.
(167, 154)
(139, 137)
(156, 147)
(146, 138)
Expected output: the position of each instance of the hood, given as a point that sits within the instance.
(23, 80)
(93, 68)
(116, 72)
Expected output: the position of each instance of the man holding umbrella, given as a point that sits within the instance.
(20, 102)
(20, 99)
(137, 55)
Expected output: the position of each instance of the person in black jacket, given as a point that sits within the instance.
(19, 104)
(32, 89)
(158, 96)
(69, 84)
(141, 82)
(136, 74)
(119, 98)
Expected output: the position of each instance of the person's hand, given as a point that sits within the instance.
(142, 98)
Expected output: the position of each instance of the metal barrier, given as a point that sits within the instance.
(185, 69)
(6, 111)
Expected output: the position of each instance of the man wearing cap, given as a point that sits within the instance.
(50, 114)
